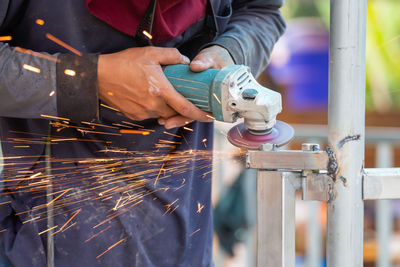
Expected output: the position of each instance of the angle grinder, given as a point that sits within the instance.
(232, 93)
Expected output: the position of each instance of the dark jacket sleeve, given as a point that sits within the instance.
(253, 29)
(35, 84)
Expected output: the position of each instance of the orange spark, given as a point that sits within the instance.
(36, 54)
(109, 107)
(161, 169)
(5, 38)
(149, 130)
(174, 209)
(93, 236)
(121, 125)
(148, 35)
(31, 68)
(216, 97)
(42, 232)
(133, 124)
(194, 232)
(35, 175)
(69, 72)
(69, 220)
(115, 215)
(205, 174)
(52, 93)
(173, 134)
(69, 227)
(211, 117)
(110, 93)
(61, 43)
(66, 139)
(101, 125)
(170, 205)
(169, 142)
(86, 131)
(63, 193)
(53, 117)
(127, 131)
(7, 202)
(112, 246)
(30, 220)
(108, 190)
(204, 142)
(200, 207)
(40, 22)
(188, 129)
(107, 198)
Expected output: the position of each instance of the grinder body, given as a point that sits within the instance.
(229, 94)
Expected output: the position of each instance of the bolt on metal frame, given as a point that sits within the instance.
(335, 175)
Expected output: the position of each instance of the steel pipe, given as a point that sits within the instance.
(346, 132)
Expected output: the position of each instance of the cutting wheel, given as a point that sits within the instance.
(280, 134)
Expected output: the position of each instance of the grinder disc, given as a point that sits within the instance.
(279, 135)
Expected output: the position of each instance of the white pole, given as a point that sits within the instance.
(346, 130)
(384, 159)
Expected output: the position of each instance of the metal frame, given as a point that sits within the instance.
(335, 175)
(275, 213)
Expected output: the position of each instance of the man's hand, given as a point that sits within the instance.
(133, 82)
(213, 57)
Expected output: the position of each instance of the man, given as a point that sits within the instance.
(115, 182)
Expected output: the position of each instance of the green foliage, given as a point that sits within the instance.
(383, 53)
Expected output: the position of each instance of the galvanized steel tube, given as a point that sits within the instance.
(346, 130)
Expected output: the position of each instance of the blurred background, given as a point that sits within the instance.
(299, 71)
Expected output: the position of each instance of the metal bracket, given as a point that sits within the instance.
(317, 186)
(287, 160)
(310, 162)
(381, 183)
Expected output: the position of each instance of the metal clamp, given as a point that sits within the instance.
(310, 162)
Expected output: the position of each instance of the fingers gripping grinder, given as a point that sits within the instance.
(232, 93)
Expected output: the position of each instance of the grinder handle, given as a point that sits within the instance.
(194, 86)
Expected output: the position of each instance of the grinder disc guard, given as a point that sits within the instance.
(280, 134)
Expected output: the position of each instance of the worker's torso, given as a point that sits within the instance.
(142, 200)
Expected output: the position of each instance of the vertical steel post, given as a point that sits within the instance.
(383, 218)
(276, 218)
(314, 235)
(314, 231)
(346, 127)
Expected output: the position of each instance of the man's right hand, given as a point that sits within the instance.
(133, 82)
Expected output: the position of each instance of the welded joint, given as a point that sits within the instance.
(333, 165)
(315, 170)
(348, 138)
